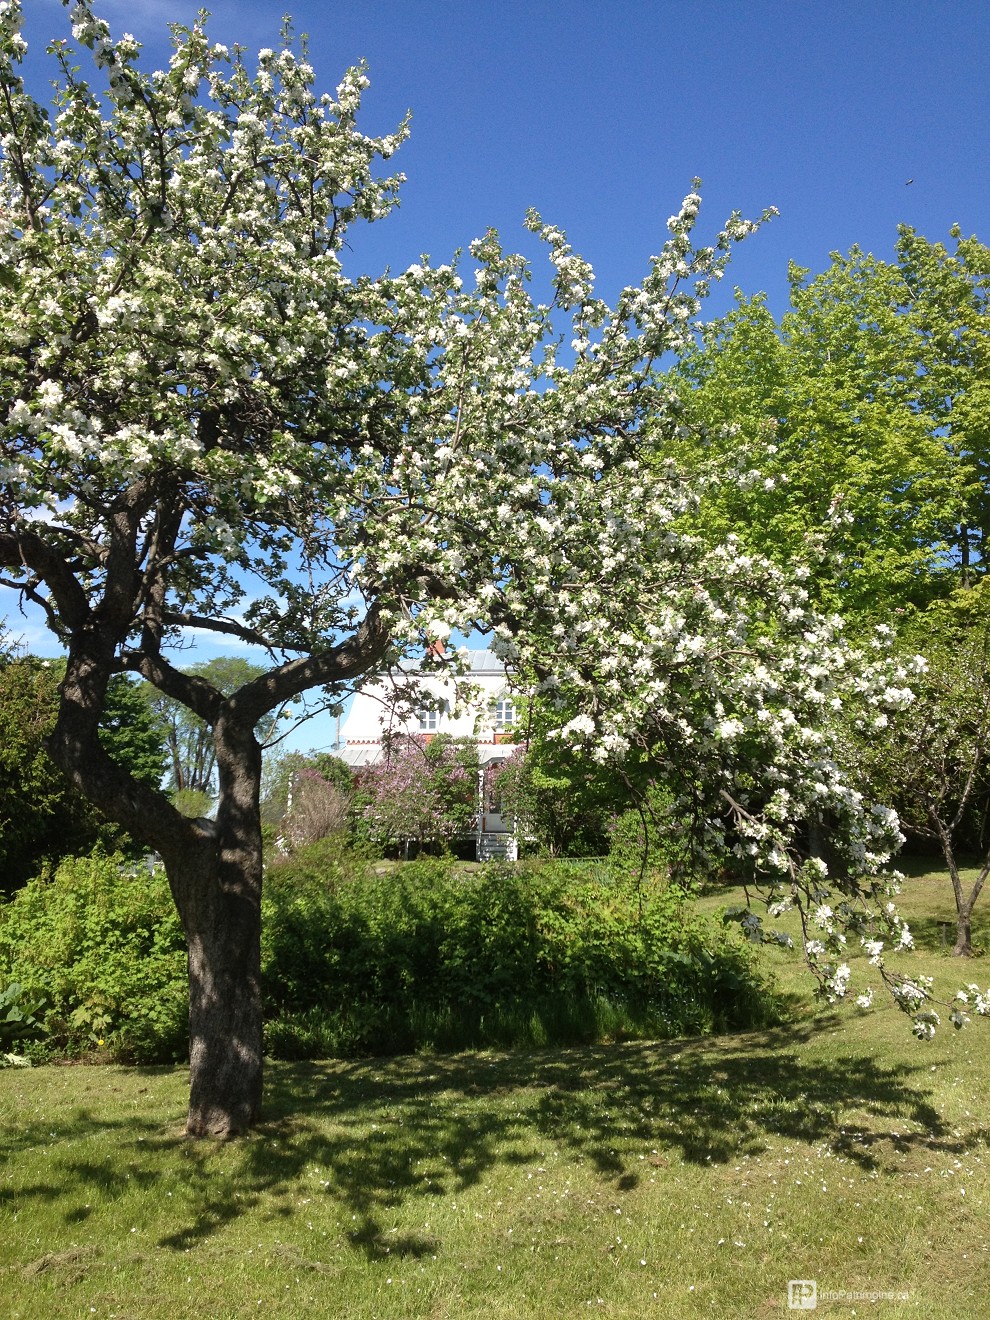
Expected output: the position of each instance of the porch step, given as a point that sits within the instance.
(497, 848)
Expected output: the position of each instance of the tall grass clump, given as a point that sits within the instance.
(430, 956)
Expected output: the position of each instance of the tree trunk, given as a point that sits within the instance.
(964, 935)
(816, 839)
(216, 885)
(964, 907)
(948, 852)
(220, 906)
(964, 916)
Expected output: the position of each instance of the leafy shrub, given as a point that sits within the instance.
(17, 1015)
(429, 957)
(562, 801)
(657, 830)
(422, 956)
(101, 943)
(424, 792)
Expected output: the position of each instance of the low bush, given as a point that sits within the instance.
(423, 956)
(100, 943)
(430, 956)
(18, 1023)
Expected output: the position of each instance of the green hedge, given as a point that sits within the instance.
(424, 956)
(429, 956)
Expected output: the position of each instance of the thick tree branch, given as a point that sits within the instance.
(190, 690)
(76, 748)
(26, 549)
(338, 664)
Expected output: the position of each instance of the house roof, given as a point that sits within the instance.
(484, 662)
(359, 756)
(478, 662)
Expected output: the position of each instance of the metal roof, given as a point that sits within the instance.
(484, 662)
(478, 662)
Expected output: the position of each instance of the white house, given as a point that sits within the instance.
(477, 704)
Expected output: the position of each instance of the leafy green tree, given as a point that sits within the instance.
(36, 813)
(131, 731)
(828, 448)
(42, 816)
(931, 760)
(949, 299)
(861, 422)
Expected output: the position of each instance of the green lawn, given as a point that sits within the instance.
(691, 1178)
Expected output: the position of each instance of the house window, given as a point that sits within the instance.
(428, 721)
(503, 714)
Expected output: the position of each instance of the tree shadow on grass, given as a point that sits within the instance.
(938, 935)
(373, 1135)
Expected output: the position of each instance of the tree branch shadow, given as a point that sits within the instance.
(373, 1135)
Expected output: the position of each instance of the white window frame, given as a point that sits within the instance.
(503, 714)
(429, 719)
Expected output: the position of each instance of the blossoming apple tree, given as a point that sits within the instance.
(207, 423)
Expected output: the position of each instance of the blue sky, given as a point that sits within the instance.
(600, 112)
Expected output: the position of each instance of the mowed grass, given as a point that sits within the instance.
(689, 1178)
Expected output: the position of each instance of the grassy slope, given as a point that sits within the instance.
(682, 1179)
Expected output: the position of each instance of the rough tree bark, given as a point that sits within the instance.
(216, 885)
